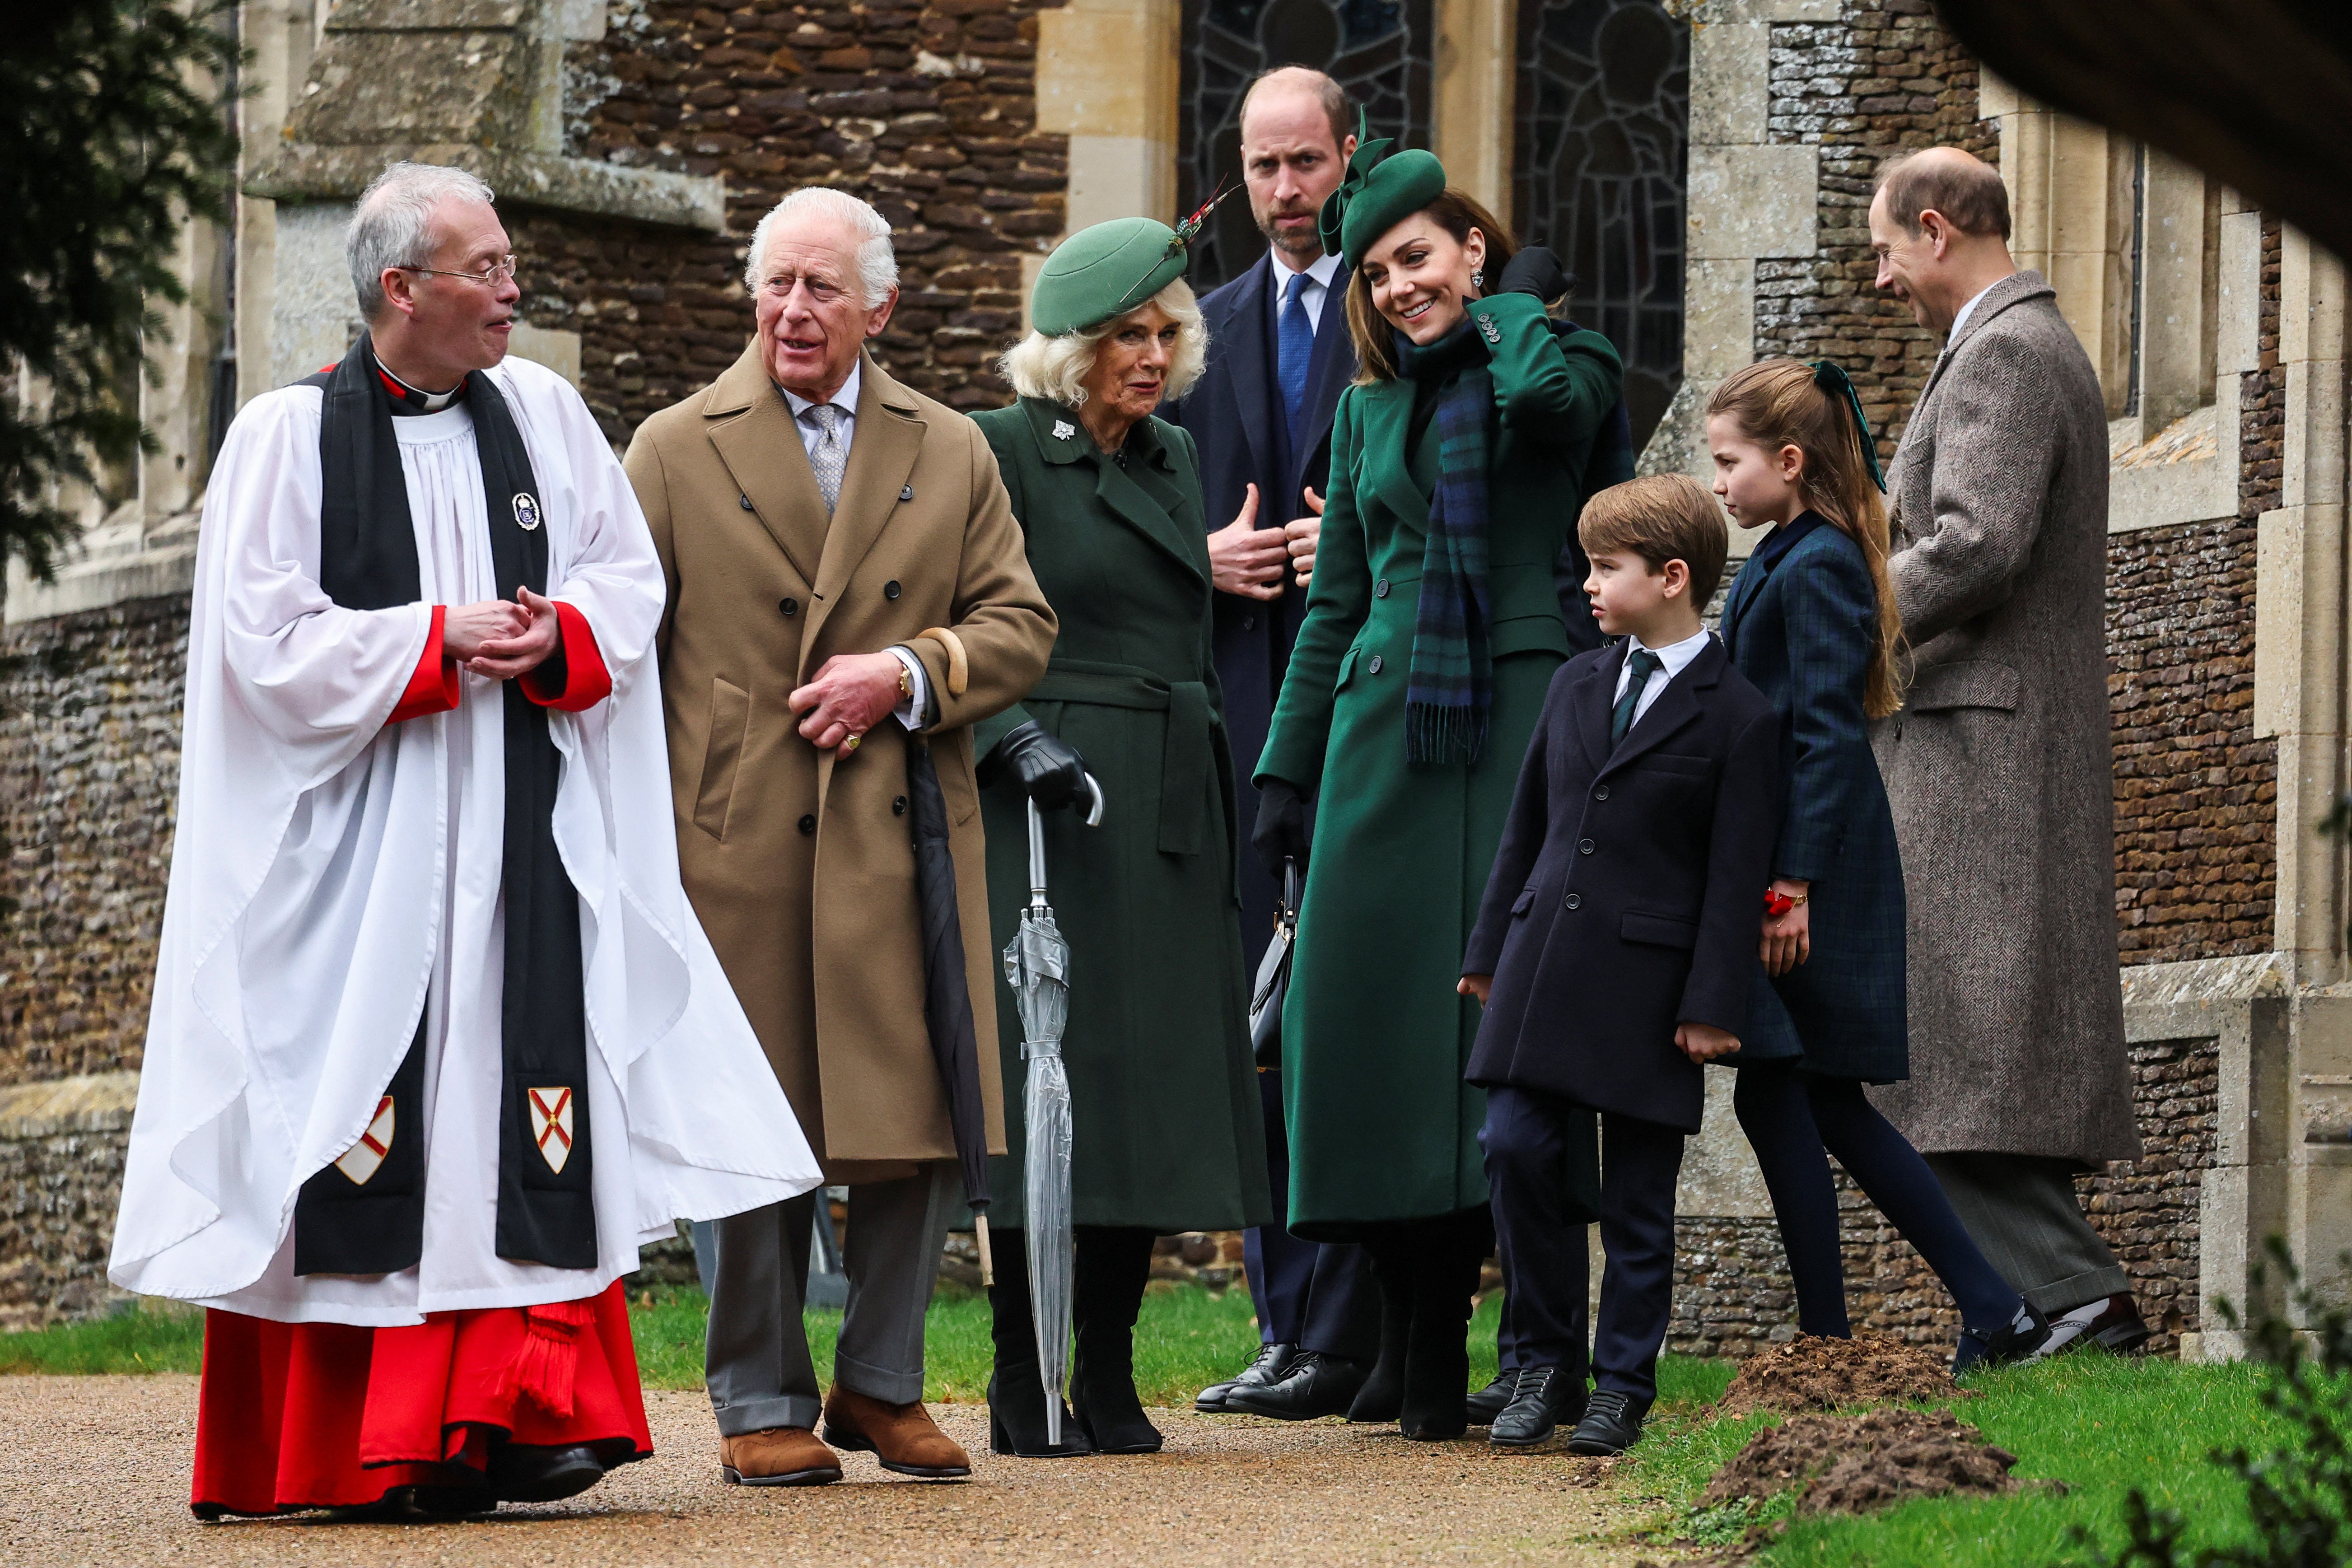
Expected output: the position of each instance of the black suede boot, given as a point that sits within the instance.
(1381, 1399)
(1435, 1262)
(1112, 1267)
(1016, 1394)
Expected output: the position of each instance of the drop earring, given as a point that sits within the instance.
(1478, 280)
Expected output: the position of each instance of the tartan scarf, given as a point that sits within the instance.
(1450, 691)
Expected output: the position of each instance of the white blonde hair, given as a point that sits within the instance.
(877, 263)
(1055, 368)
(392, 225)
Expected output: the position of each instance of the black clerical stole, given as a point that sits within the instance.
(365, 1214)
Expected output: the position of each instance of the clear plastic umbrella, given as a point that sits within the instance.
(1037, 963)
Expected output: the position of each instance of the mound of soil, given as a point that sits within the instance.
(1812, 1373)
(1852, 1464)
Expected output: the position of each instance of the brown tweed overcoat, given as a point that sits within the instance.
(2001, 766)
(799, 866)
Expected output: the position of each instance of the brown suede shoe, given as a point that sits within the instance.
(903, 1436)
(778, 1456)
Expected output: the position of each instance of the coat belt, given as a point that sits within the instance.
(1186, 759)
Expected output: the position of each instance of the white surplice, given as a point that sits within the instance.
(334, 877)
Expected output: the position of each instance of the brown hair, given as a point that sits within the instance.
(1775, 403)
(1660, 518)
(1327, 93)
(1457, 211)
(1965, 189)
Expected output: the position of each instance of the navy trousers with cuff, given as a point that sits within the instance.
(1545, 1278)
(1318, 1296)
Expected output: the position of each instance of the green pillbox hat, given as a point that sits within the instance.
(1381, 190)
(1104, 272)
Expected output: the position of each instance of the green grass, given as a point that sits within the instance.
(148, 1337)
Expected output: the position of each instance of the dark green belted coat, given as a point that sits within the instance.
(1375, 1039)
(1164, 1101)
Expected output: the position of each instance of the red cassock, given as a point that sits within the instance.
(296, 1416)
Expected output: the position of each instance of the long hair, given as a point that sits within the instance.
(1775, 403)
(1457, 211)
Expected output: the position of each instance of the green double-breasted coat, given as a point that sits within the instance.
(1167, 1130)
(1381, 1127)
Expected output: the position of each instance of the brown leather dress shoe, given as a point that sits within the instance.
(778, 1456)
(903, 1436)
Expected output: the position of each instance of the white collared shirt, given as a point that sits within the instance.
(1677, 657)
(1317, 290)
(1962, 318)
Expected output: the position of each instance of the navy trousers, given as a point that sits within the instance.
(1318, 1296)
(1546, 1278)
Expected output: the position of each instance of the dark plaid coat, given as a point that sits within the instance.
(1798, 624)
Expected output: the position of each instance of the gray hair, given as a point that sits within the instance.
(1055, 368)
(877, 264)
(393, 225)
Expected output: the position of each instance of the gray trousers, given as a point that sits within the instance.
(756, 1360)
(2022, 1212)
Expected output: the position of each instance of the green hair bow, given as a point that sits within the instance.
(1832, 378)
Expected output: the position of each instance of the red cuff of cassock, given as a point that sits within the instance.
(432, 688)
(587, 680)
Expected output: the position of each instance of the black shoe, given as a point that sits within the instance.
(1543, 1398)
(1611, 1423)
(2014, 1341)
(451, 1502)
(1381, 1399)
(1016, 1418)
(1265, 1369)
(530, 1472)
(2112, 1322)
(1490, 1401)
(1115, 1424)
(1317, 1385)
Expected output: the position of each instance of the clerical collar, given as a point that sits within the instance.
(407, 399)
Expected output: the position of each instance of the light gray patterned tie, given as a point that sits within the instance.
(827, 457)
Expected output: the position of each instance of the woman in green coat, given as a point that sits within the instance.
(1164, 1101)
(1433, 629)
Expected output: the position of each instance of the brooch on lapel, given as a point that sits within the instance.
(1063, 429)
(526, 512)
(1489, 330)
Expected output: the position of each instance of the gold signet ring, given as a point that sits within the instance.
(852, 741)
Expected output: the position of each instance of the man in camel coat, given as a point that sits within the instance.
(844, 569)
(2000, 765)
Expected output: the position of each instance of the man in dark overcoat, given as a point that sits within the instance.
(2000, 765)
(1279, 356)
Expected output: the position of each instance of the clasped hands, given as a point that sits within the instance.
(850, 694)
(1247, 560)
(499, 639)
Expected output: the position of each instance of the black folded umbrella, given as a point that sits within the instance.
(947, 994)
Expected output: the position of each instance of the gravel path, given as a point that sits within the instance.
(98, 1472)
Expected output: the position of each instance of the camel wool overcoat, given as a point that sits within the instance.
(2001, 764)
(801, 867)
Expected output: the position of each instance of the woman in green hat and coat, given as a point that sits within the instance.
(1168, 1132)
(1433, 629)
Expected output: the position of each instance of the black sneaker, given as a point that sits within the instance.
(1545, 1395)
(2014, 1341)
(1265, 1368)
(1491, 1401)
(1611, 1423)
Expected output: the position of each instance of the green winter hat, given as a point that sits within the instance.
(1104, 272)
(1381, 190)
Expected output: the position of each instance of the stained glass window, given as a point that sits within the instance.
(1379, 50)
(1598, 174)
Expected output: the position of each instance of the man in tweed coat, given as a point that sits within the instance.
(2000, 766)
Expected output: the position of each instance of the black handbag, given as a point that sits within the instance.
(1274, 974)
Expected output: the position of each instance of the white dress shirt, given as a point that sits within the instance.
(909, 711)
(1319, 287)
(1962, 318)
(1677, 657)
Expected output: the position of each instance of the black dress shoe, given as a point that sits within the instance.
(1317, 1385)
(2112, 1322)
(1266, 1368)
(1490, 1401)
(1543, 1398)
(530, 1472)
(2014, 1341)
(1611, 1423)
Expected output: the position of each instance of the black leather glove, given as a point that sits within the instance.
(1044, 767)
(1535, 271)
(1281, 831)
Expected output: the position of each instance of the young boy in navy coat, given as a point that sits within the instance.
(1615, 951)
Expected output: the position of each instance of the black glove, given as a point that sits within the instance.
(1535, 271)
(1281, 831)
(1047, 769)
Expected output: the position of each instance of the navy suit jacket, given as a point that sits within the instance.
(1800, 623)
(1235, 417)
(1627, 895)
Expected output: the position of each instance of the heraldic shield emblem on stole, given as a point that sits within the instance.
(362, 1158)
(551, 1125)
(526, 512)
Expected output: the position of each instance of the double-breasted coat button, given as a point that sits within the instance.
(1575, 901)
(808, 825)
(906, 492)
(747, 502)
(898, 806)
(790, 606)
(1584, 846)
(1601, 792)
(1380, 589)
(890, 589)
(1249, 623)
(1375, 665)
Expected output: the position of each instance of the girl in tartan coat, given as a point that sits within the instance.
(1811, 621)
